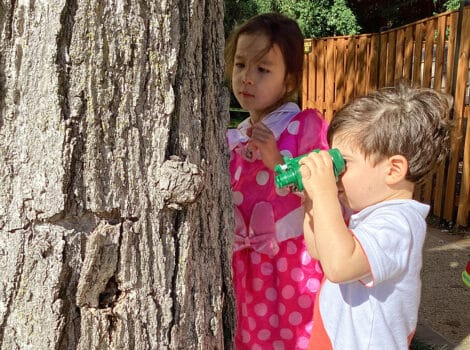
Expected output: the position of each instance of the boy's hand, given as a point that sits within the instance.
(263, 139)
(318, 176)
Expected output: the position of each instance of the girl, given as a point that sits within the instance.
(275, 280)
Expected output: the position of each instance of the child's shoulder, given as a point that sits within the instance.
(310, 113)
(311, 120)
(309, 127)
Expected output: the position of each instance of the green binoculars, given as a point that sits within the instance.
(289, 172)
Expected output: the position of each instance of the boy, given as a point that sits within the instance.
(391, 140)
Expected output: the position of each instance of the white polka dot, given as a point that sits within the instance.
(251, 323)
(245, 336)
(284, 191)
(237, 198)
(309, 327)
(305, 301)
(257, 284)
(281, 309)
(286, 334)
(297, 274)
(262, 178)
(236, 176)
(286, 153)
(282, 265)
(302, 343)
(293, 127)
(271, 294)
(267, 269)
(279, 345)
(306, 258)
(295, 318)
(313, 285)
(274, 320)
(255, 258)
(288, 292)
(239, 266)
(256, 347)
(249, 298)
(261, 309)
(291, 248)
(244, 310)
(264, 334)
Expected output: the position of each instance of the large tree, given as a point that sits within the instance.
(115, 207)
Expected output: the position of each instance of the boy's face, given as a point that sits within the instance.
(258, 82)
(363, 182)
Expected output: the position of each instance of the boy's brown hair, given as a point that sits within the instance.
(399, 120)
(279, 30)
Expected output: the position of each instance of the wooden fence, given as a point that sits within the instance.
(433, 52)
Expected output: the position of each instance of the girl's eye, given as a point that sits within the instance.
(239, 65)
(263, 70)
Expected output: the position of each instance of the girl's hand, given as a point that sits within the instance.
(318, 176)
(263, 139)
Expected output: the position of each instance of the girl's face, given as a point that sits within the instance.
(258, 82)
(363, 182)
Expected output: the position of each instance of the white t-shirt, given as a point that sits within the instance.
(380, 312)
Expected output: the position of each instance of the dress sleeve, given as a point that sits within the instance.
(313, 131)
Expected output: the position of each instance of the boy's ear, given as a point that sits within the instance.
(398, 168)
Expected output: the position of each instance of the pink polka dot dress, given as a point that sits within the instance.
(275, 279)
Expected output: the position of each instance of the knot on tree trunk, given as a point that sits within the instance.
(178, 182)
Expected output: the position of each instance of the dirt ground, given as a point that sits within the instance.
(445, 301)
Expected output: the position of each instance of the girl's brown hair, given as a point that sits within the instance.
(279, 30)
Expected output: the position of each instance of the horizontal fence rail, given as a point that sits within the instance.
(433, 53)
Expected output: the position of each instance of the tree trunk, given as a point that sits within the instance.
(115, 206)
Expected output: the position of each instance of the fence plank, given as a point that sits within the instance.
(408, 53)
(462, 86)
(390, 78)
(399, 54)
(452, 29)
(417, 56)
(350, 74)
(339, 74)
(330, 46)
(374, 62)
(428, 54)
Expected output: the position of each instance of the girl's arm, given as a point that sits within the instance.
(340, 254)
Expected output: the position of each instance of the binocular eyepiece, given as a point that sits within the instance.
(289, 172)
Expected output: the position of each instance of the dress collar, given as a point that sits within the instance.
(277, 121)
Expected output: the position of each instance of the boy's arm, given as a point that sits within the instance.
(340, 254)
(309, 229)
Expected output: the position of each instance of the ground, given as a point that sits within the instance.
(444, 317)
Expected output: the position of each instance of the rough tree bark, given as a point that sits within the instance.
(115, 208)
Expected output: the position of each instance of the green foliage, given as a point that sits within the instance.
(452, 5)
(342, 19)
(318, 18)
